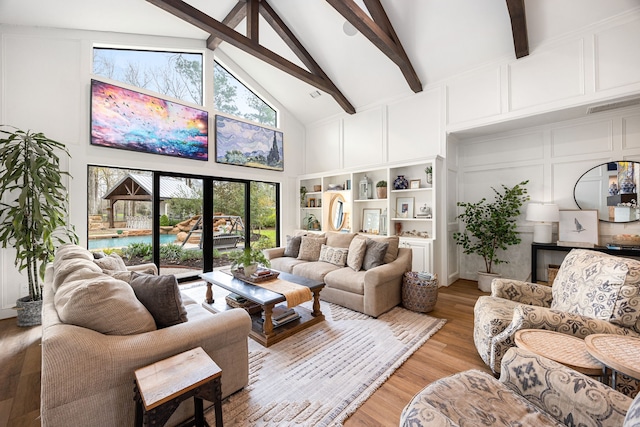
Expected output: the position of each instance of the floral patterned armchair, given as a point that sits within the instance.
(593, 293)
(532, 391)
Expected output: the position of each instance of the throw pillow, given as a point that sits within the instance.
(335, 256)
(112, 262)
(293, 246)
(161, 296)
(357, 249)
(374, 256)
(105, 305)
(392, 250)
(310, 248)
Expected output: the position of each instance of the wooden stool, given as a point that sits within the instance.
(159, 388)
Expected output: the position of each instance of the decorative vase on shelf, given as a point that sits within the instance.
(400, 183)
(627, 186)
(398, 228)
(613, 189)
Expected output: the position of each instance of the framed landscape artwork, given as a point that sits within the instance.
(578, 226)
(130, 120)
(245, 144)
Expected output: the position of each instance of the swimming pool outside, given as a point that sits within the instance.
(120, 242)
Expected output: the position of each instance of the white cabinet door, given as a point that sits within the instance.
(422, 260)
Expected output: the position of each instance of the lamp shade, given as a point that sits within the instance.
(543, 212)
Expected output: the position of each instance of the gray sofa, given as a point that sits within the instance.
(371, 291)
(87, 372)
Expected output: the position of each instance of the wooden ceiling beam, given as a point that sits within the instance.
(206, 23)
(378, 35)
(294, 44)
(253, 14)
(519, 27)
(232, 20)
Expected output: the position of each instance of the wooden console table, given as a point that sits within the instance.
(535, 247)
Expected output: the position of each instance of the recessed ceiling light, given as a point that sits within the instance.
(315, 94)
(349, 29)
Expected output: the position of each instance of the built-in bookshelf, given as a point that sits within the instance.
(350, 202)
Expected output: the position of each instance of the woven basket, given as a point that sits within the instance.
(418, 294)
(552, 272)
(250, 306)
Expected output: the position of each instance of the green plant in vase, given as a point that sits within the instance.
(33, 218)
(249, 259)
(381, 189)
(491, 226)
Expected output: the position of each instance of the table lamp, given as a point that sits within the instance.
(543, 214)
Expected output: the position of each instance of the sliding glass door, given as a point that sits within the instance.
(185, 224)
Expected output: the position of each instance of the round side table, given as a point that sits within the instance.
(618, 352)
(565, 349)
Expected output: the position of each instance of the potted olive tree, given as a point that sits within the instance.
(491, 227)
(33, 209)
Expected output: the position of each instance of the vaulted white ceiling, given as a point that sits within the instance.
(441, 38)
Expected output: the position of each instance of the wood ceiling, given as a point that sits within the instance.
(377, 28)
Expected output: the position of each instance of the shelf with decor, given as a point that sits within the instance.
(358, 201)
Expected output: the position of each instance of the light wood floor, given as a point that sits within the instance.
(450, 350)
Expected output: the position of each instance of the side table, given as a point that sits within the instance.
(565, 349)
(618, 352)
(161, 387)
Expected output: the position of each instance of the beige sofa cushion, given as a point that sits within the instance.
(357, 249)
(70, 270)
(339, 240)
(347, 280)
(113, 262)
(314, 270)
(310, 248)
(104, 304)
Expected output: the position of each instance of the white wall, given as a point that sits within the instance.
(552, 157)
(470, 114)
(45, 86)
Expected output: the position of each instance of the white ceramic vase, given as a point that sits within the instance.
(485, 279)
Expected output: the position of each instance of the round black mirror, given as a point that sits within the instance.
(611, 189)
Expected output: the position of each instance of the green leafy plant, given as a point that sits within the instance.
(311, 222)
(34, 218)
(247, 257)
(142, 250)
(428, 170)
(490, 227)
(381, 183)
(164, 221)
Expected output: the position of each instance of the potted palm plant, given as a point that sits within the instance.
(33, 214)
(248, 259)
(490, 227)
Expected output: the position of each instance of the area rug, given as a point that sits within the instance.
(320, 376)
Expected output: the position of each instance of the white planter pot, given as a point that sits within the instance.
(485, 279)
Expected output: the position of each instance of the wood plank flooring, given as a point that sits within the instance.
(450, 350)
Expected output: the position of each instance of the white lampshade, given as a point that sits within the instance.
(543, 214)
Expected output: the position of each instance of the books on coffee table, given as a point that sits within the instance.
(281, 315)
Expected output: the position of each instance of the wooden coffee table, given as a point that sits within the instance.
(562, 348)
(618, 352)
(263, 331)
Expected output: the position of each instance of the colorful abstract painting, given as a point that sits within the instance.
(130, 120)
(245, 144)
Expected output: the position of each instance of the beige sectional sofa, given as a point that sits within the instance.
(88, 362)
(339, 260)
